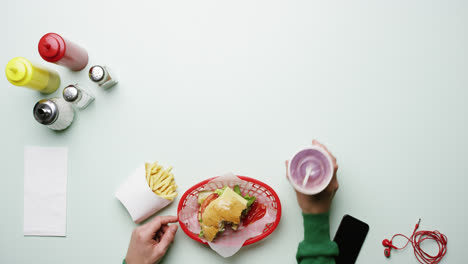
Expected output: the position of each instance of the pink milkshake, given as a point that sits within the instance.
(310, 170)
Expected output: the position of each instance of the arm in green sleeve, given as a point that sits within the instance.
(317, 248)
(124, 262)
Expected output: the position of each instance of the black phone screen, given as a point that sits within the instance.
(350, 236)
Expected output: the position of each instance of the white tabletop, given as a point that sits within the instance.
(216, 86)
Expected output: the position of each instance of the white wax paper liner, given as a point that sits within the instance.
(138, 198)
(229, 242)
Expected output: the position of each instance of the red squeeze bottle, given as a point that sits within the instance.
(53, 48)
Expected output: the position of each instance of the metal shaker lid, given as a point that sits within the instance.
(96, 73)
(71, 93)
(45, 112)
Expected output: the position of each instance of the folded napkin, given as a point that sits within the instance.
(45, 191)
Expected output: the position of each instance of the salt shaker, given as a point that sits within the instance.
(55, 113)
(102, 76)
(78, 96)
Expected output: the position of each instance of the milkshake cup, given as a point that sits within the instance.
(310, 170)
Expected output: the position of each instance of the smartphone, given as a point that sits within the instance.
(350, 236)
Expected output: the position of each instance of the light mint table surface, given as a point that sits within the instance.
(217, 86)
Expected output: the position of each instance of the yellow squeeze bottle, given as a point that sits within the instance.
(21, 72)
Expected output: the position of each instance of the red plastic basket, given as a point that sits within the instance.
(258, 187)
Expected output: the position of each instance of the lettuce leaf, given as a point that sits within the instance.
(250, 200)
(237, 190)
(220, 191)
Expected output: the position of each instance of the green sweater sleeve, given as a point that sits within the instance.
(317, 248)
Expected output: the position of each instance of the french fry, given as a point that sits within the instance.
(171, 183)
(164, 184)
(155, 167)
(172, 188)
(151, 183)
(148, 172)
(166, 189)
(165, 174)
(170, 196)
(160, 180)
(162, 176)
(157, 176)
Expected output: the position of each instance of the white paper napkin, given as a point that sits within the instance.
(45, 191)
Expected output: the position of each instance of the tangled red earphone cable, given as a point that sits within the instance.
(416, 239)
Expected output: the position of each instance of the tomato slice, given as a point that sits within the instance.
(257, 211)
(207, 201)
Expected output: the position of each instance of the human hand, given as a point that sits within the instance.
(321, 202)
(150, 241)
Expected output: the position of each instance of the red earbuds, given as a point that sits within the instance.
(388, 244)
(416, 239)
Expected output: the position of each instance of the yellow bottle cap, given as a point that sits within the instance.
(18, 71)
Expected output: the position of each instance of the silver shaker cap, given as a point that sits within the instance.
(96, 73)
(71, 93)
(45, 112)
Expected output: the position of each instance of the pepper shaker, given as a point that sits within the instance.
(102, 76)
(78, 96)
(55, 113)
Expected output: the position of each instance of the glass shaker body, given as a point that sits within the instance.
(55, 113)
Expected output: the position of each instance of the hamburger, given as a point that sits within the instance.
(220, 208)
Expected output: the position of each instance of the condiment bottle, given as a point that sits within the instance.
(102, 76)
(78, 96)
(21, 72)
(56, 49)
(55, 113)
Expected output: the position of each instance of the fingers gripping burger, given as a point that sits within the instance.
(221, 207)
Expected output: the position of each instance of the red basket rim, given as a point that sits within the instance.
(248, 241)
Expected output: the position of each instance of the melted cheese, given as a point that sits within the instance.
(228, 207)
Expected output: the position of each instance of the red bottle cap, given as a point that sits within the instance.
(51, 47)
